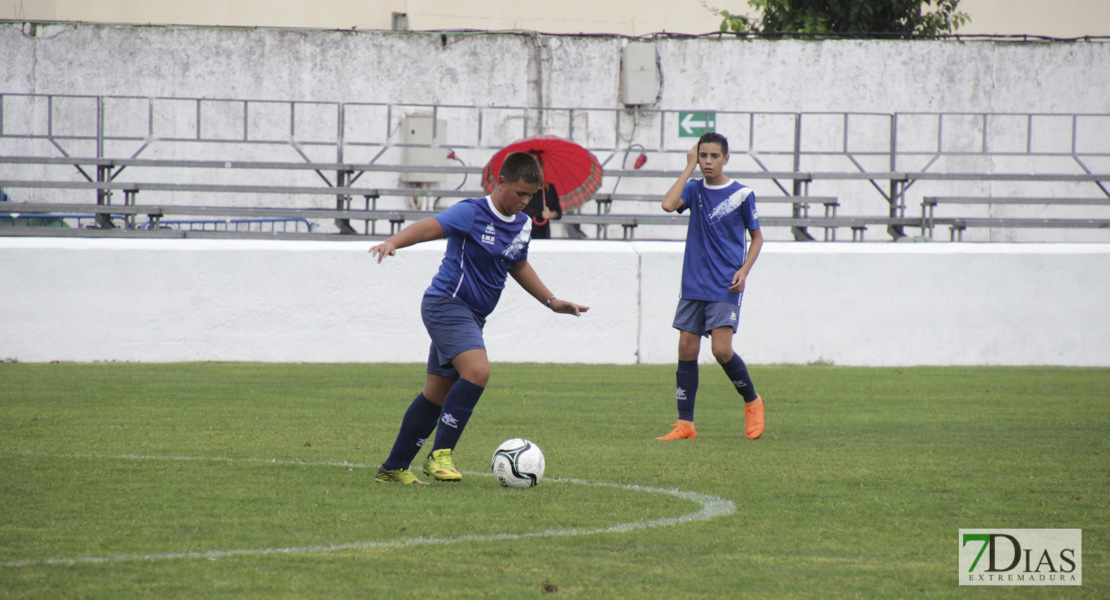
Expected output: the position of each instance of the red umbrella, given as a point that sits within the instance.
(573, 170)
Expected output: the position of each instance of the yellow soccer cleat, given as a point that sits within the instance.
(403, 476)
(753, 418)
(683, 430)
(441, 465)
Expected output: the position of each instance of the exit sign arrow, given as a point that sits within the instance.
(694, 124)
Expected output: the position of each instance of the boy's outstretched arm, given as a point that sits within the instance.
(672, 201)
(423, 230)
(526, 276)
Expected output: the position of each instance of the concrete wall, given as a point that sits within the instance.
(570, 16)
(489, 69)
(872, 305)
(889, 304)
(1068, 18)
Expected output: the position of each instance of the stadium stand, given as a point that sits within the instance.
(958, 225)
(249, 185)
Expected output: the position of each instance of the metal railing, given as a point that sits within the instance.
(208, 146)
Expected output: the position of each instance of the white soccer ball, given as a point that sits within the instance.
(518, 463)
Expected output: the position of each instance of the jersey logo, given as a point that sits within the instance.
(514, 248)
(490, 236)
(729, 206)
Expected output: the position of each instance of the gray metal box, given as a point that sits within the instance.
(423, 148)
(639, 74)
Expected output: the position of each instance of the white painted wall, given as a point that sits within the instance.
(864, 304)
(1065, 18)
(507, 69)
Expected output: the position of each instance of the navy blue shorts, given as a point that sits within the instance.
(454, 329)
(703, 316)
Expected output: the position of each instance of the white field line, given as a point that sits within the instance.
(710, 507)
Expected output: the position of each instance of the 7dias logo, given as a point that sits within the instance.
(1021, 557)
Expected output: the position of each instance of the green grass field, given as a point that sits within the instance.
(255, 481)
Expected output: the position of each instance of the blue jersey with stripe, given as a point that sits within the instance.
(482, 245)
(716, 238)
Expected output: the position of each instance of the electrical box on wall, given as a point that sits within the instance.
(639, 74)
(423, 147)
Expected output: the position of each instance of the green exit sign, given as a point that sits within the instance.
(695, 124)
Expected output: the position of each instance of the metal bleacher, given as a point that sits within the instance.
(957, 226)
(342, 183)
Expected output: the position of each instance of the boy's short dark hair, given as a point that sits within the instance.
(521, 166)
(713, 137)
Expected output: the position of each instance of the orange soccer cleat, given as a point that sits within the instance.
(683, 430)
(753, 418)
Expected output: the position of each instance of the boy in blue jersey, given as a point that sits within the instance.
(487, 240)
(714, 269)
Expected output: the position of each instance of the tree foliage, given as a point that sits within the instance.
(901, 18)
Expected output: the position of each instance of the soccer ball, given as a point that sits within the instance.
(518, 463)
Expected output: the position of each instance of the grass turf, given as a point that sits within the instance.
(858, 488)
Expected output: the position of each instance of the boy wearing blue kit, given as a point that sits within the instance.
(487, 240)
(714, 270)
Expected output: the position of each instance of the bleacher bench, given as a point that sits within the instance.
(958, 225)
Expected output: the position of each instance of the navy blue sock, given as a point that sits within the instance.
(737, 371)
(686, 388)
(457, 408)
(418, 423)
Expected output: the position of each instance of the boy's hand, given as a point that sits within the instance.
(383, 250)
(738, 281)
(568, 308)
(692, 155)
(672, 200)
